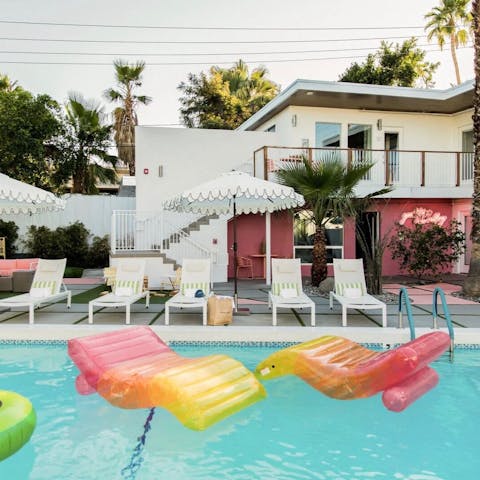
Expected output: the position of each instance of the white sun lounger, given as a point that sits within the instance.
(127, 289)
(47, 287)
(287, 291)
(351, 290)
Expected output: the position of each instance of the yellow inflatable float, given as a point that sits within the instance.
(134, 368)
(17, 422)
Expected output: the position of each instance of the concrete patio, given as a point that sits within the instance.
(55, 321)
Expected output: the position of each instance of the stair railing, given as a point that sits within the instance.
(438, 291)
(403, 295)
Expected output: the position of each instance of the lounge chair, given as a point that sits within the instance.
(195, 276)
(47, 287)
(351, 290)
(287, 289)
(127, 289)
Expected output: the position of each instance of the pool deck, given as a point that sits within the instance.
(56, 322)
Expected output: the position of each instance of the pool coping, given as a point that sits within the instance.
(387, 336)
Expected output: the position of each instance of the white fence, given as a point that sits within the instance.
(94, 211)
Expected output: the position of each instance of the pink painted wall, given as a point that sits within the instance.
(250, 235)
(251, 232)
(391, 212)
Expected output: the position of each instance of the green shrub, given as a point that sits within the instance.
(74, 239)
(70, 242)
(9, 230)
(42, 242)
(427, 250)
(99, 253)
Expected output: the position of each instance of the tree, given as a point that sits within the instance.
(450, 20)
(128, 78)
(328, 189)
(400, 65)
(83, 147)
(8, 85)
(28, 125)
(472, 282)
(224, 98)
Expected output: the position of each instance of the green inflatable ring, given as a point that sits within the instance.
(17, 422)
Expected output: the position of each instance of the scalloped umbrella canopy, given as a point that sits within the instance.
(19, 197)
(233, 193)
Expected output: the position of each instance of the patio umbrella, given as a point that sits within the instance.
(235, 193)
(19, 197)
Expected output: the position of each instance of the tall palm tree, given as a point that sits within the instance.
(450, 20)
(328, 189)
(128, 78)
(83, 149)
(472, 282)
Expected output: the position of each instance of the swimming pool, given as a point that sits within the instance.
(296, 433)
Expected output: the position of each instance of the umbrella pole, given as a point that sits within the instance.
(238, 311)
(235, 259)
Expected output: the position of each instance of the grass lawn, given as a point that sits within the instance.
(88, 295)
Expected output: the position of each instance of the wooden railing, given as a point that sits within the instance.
(409, 168)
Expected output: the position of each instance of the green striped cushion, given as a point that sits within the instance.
(135, 285)
(340, 287)
(205, 286)
(278, 287)
(50, 284)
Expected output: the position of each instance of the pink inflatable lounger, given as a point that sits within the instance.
(134, 368)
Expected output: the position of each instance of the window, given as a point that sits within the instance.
(360, 139)
(304, 232)
(327, 134)
(467, 155)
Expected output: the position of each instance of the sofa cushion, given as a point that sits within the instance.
(27, 263)
(7, 267)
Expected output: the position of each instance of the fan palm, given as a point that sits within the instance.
(472, 282)
(329, 192)
(450, 20)
(128, 78)
(84, 147)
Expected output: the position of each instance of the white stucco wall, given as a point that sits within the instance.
(417, 131)
(189, 157)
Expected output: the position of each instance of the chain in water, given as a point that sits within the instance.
(130, 471)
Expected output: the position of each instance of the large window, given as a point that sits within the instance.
(327, 134)
(304, 231)
(467, 155)
(360, 140)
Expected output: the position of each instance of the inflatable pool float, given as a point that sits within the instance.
(343, 369)
(134, 368)
(17, 422)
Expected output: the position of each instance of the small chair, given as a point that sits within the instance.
(351, 289)
(287, 291)
(245, 262)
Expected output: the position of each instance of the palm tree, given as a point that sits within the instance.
(328, 189)
(7, 85)
(84, 147)
(450, 20)
(128, 78)
(472, 282)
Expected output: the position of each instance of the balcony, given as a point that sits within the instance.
(408, 171)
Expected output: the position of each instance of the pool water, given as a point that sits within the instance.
(296, 433)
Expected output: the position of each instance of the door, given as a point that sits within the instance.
(367, 235)
(392, 157)
(465, 220)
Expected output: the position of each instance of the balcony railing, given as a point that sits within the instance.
(401, 168)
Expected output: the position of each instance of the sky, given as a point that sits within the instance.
(57, 46)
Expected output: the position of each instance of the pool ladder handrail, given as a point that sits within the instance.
(403, 295)
(448, 319)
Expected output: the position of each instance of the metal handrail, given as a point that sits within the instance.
(403, 295)
(448, 320)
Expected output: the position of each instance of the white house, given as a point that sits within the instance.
(419, 140)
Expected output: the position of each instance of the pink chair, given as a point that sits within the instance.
(245, 262)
